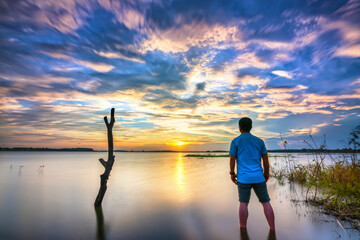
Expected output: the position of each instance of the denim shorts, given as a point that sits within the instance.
(259, 188)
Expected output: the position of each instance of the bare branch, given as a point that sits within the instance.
(103, 162)
(112, 116)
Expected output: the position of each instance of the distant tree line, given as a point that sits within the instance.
(47, 149)
(306, 150)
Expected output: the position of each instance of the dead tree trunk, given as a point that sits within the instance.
(109, 163)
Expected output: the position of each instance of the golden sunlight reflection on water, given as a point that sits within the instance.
(180, 177)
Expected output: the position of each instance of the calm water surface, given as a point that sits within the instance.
(149, 196)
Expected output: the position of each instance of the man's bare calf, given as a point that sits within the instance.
(269, 214)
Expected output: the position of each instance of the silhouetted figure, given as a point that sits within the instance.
(247, 151)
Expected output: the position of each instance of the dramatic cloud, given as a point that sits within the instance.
(282, 74)
(179, 73)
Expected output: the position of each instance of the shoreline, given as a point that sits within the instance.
(30, 149)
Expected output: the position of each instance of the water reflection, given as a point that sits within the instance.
(179, 175)
(244, 234)
(100, 233)
(161, 196)
(20, 168)
(272, 235)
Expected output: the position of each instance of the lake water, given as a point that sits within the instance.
(149, 196)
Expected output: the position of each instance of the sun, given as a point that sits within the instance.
(177, 143)
(180, 143)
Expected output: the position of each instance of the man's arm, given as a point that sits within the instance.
(232, 169)
(266, 166)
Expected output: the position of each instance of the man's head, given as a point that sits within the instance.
(245, 124)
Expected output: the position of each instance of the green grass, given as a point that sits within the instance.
(205, 155)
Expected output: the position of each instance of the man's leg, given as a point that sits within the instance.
(269, 214)
(244, 197)
(243, 214)
(261, 192)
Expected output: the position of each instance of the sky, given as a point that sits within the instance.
(180, 74)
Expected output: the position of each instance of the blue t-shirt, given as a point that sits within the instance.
(248, 149)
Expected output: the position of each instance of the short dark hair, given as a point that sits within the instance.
(245, 124)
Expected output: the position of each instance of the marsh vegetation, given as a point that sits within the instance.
(332, 184)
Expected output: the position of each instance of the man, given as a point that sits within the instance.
(248, 150)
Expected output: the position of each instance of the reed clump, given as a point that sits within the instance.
(334, 185)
